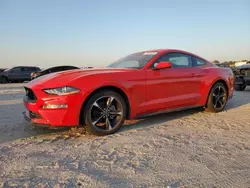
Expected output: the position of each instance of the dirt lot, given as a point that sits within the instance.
(183, 149)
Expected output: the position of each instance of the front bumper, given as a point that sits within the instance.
(37, 115)
(27, 117)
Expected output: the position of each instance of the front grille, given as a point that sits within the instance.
(30, 94)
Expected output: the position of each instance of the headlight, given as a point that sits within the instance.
(66, 90)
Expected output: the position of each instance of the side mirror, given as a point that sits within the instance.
(163, 65)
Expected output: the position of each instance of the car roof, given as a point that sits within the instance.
(166, 50)
(244, 66)
(26, 66)
(174, 50)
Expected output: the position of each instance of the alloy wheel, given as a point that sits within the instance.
(219, 97)
(106, 113)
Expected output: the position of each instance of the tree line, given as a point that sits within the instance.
(230, 63)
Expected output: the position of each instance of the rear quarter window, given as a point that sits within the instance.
(198, 62)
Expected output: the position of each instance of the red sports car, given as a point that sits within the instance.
(135, 86)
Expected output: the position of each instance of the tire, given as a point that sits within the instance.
(4, 80)
(217, 98)
(112, 113)
(239, 87)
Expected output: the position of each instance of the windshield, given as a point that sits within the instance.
(133, 61)
(6, 70)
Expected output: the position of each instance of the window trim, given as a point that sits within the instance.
(190, 56)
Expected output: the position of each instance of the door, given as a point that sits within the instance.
(175, 87)
(15, 73)
(27, 72)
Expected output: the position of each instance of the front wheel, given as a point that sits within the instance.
(104, 113)
(3, 80)
(217, 98)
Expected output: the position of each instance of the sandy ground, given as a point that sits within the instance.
(184, 149)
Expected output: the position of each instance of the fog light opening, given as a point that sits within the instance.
(55, 106)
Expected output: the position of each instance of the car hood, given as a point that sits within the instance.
(61, 78)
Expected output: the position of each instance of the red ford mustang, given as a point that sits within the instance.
(135, 86)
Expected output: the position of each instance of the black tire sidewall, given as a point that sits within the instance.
(87, 113)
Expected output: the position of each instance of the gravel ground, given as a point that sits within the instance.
(184, 149)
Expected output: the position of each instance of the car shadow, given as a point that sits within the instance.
(158, 119)
(13, 126)
(240, 98)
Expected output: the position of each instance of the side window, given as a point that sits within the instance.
(27, 69)
(178, 60)
(67, 68)
(45, 71)
(33, 69)
(58, 69)
(17, 70)
(55, 69)
(71, 68)
(198, 62)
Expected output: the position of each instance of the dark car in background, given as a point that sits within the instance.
(17, 74)
(1, 69)
(52, 70)
(242, 77)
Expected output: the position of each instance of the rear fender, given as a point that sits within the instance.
(207, 89)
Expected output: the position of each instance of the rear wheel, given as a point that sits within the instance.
(239, 87)
(217, 98)
(104, 113)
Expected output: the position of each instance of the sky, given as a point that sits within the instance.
(47, 33)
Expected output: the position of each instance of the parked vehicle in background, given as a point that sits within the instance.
(223, 65)
(138, 85)
(17, 74)
(242, 77)
(52, 70)
(1, 69)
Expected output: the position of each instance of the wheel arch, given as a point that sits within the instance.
(215, 82)
(110, 88)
